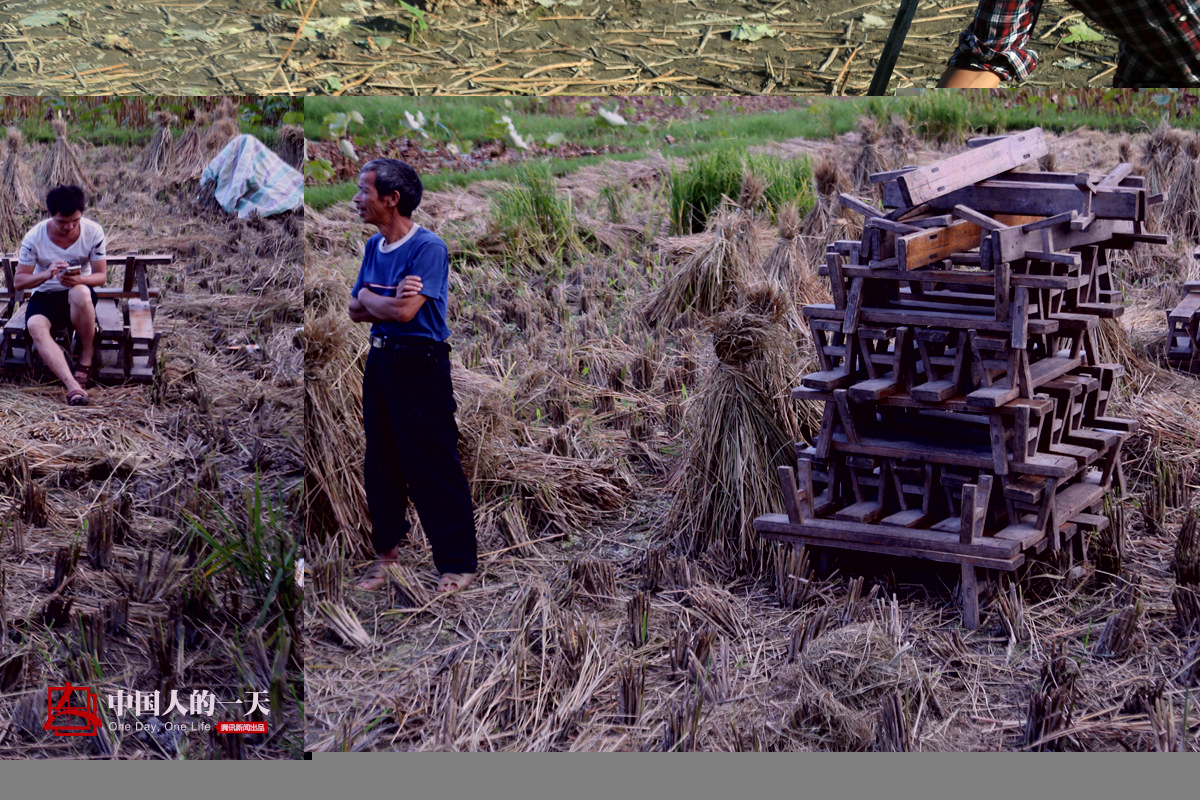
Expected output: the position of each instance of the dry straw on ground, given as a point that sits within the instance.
(614, 636)
(108, 582)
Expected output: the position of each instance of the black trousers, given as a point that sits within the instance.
(412, 452)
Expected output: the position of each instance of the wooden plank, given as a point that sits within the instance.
(937, 319)
(909, 518)
(791, 503)
(866, 511)
(1186, 308)
(854, 204)
(110, 292)
(927, 183)
(926, 247)
(1030, 199)
(982, 220)
(989, 548)
(970, 597)
(108, 317)
(141, 321)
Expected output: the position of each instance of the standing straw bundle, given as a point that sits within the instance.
(709, 278)
(10, 219)
(189, 162)
(61, 165)
(15, 181)
(290, 145)
(824, 223)
(223, 128)
(740, 428)
(1179, 214)
(158, 156)
(870, 154)
(788, 265)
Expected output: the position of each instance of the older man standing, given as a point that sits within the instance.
(408, 399)
(62, 258)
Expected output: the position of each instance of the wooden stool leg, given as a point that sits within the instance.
(970, 597)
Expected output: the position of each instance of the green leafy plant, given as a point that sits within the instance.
(1080, 32)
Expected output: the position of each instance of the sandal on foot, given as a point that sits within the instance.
(454, 581)
(83, 374)
(77, 397)
(376, 575)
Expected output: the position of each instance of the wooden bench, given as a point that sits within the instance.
(1183, 330)
(126, 343)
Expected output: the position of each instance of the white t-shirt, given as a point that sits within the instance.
(37, 249)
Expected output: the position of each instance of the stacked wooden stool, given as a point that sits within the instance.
(965, 408)
(1183, 330)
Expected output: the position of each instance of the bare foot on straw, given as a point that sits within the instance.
(376, 576)
(454, 581)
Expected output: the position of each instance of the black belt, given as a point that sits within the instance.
(411, 343)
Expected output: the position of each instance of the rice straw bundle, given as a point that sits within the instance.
(11, 228)
(710, 277)
(16, 182)
(61, 165)
(157, 157)
(870, 154)
(1157, 160)
(825, 223)
(189, 161)
(1181, 212)
(290, 145)
(740, 427)
(788, 266)
(223, 128)
(334, 353)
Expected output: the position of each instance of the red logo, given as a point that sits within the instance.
(241, 727)
(64, 719)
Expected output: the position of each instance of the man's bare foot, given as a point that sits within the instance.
(454, 581)
(376, 576)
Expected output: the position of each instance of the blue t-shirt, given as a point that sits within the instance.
(420, 253)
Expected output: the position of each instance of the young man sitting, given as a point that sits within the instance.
(1160, 43)
(62, 258)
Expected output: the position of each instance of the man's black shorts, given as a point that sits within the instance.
(54, 306)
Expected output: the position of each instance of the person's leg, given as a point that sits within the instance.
(83, 319)
(383, 475)
(439, 488)
(39, 331)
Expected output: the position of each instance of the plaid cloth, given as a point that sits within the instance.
(1160, 39)
(251, 178)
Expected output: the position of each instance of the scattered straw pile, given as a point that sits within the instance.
(61, 164)
(616, 637)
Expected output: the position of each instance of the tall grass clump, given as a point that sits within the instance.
(533, 218)
(943, 117)
(789, 181)
(696, 192)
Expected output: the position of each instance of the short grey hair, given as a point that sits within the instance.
(392, 175)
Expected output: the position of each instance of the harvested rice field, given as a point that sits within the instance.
(625, 341)
(547, 47)
(148, 548)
